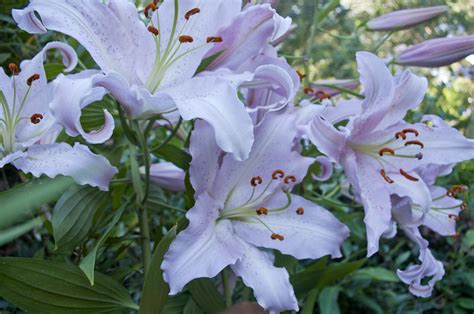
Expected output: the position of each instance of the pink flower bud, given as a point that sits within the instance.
(167, 176)
(437, 52)
(402, 19)
(325, 86)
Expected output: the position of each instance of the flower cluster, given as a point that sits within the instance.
(216, 62)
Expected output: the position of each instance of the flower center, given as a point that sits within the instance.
(380, 151)
(252, 209)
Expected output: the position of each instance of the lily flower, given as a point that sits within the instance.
(167, 176)
(407, 18)
(242, 206)
(151, 69)
(376, 144)
(28, 129)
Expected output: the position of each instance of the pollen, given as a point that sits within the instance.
(300, 211)
(408, 176)
(289, 179)
(308, 90)
(256, 181)
(415, 143)
(36, 118)
(276, 236)
(278, 174)
(191, 13)
(386, 150)
(411, 131)
(322, 95)
(153, 30)
(400, 134)
(262, 211)
(186, 39)
(214, 39)
(13, 68)
(32, 78)
(386, 177)
(150, 7)
(455, 190)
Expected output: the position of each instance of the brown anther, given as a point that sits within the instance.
(454, 217)
(289, 179)
(411, 131)
(276, 236)
(408, 176)
(214, 39)
(386, 177)
(256, 181)
(36, 118)
(322, 95)
(155, 2)
(300, 211)
(308, 90)
(278, 174)
(153, 30)
(150, 7)
(464, 206)
(415, 143)
(262, 211)
(456, 189)
(185, 39)
(400, 134)
(301, 75)
(191, 13)
(32, 78)
(386, 150)
(13, 68)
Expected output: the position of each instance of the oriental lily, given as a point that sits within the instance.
(150, 69)
(377, 144)
(28, 129)
(242, 205)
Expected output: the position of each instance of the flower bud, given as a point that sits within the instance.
(402, 19)
(437, 52)
(325, 86)
(167, 176)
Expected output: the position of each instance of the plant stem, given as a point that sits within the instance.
(227, 289)
(145, 238)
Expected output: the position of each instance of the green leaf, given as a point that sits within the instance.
(468, 239)
(192, 308)
(377, 273)
(87, 264)
(205, 293)
(175, 155)
(206, 62)
(25, 199)
(40, 286)
(53, 69)
(17, 231)
(73, 216)
(466, 303)
(155, 290)
(328, 300)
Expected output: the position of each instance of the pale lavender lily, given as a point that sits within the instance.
(151, 71)
(407, 18)
(437, 52)
(242, 206)
(28, 129)
(166, 175)
(376, 144)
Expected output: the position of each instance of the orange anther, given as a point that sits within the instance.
(185, 39)
(276, 236)
(153, 30)
(150, 7)
(214, 39)
(32, 78)
(289, 179)
(386, 177)
(308, 90)
(322, 95)
(411, 131)
(36, 118)
(415, 143)
(300, 211)
(408, 176)
(191, 13)
(13, 68)
(386, 150)
(256, 181)
(262, 211)
(400, 134)
(278, 174)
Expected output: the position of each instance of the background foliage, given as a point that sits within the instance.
(94, 230)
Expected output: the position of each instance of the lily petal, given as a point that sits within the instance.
(327, 138)
(271, 285)
(442, 216)
(11, 158)
(325, 169)
(203, 249)
(77, 162)
(314, 234)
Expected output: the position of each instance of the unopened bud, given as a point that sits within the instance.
(330, 87)
(402, 19)
(167, 176)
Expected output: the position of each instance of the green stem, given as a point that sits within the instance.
(145, 238)
(170, 137)
(227, 289)
(381, 42)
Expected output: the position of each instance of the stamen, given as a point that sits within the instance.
(454, 217)
(464, 206)
(386, 177)
(322, 95)
(400, 134)
(36, 118)
(300, 211)
(32, 78)
(150, 7)
(13, 68)
(386, 150)
(186, 39)
(411, 131)
(191, 13)
(256, 181)
(308, 90)
(408, 176)
(276, 236)
(262, 211)
(214, 39)
(278, 174)
(153, 30)
(456, 189)
(301, 75)
(415, 143)
(289, 179)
